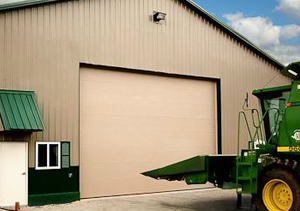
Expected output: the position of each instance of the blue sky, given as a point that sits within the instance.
(273, 25)
(249, 8)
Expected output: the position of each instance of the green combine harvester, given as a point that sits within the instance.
(269, 169)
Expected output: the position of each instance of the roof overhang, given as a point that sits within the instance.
(19, 111)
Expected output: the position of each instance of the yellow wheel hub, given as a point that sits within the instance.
(277, 195)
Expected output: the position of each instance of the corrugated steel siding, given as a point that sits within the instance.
(19, 111)
(41, 48)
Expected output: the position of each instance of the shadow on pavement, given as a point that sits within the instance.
(225, 204)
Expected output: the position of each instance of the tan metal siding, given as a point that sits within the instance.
(41, 48)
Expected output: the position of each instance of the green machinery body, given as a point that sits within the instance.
(273, 140)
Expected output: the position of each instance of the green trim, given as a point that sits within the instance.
(53, 181)
(219, 117)
(258, 92)
(19, 111)
(53, 198)
(193, 5)
(8, 91)
(25, 3)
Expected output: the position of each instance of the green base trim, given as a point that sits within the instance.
(65, 180)
(53, 198)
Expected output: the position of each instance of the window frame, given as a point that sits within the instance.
(48, 167)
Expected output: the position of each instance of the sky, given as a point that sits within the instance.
(272, 25)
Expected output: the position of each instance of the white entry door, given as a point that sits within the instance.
(13, 173)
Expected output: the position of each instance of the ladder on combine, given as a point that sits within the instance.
(246, 171)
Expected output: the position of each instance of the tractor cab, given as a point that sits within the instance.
(280, 109)
(273, 102)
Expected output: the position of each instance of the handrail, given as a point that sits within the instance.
(258, 127)
(239, 126)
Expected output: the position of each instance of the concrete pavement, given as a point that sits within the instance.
(195, 200)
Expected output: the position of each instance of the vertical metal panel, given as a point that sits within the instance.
(42, 46)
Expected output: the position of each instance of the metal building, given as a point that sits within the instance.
(93, 92)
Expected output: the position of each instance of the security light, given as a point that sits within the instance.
(293, 72)
(158, 17)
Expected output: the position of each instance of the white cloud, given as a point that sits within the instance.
(258, 29)
(265, 34)
(290, 31)
(234, 17)
(289, 7)
(285, 53)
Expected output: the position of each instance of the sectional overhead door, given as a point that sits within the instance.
(133, 122)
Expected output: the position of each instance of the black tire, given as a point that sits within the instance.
(281, 173)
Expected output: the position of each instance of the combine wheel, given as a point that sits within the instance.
(278, 190)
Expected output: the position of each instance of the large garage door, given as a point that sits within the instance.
(130, 123)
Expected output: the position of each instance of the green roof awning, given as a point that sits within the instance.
(19, 111)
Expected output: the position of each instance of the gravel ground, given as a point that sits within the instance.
(196, 200)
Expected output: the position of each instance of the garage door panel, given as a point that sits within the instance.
(131, 122)
(150, 108)
(147, 143)
(127, 122)
(135, 156)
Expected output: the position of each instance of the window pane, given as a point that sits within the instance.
(276, 107)
(65, 148)
(65, 161)
(53, 155)
(42, 155)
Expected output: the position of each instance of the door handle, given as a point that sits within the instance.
(24, 173)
